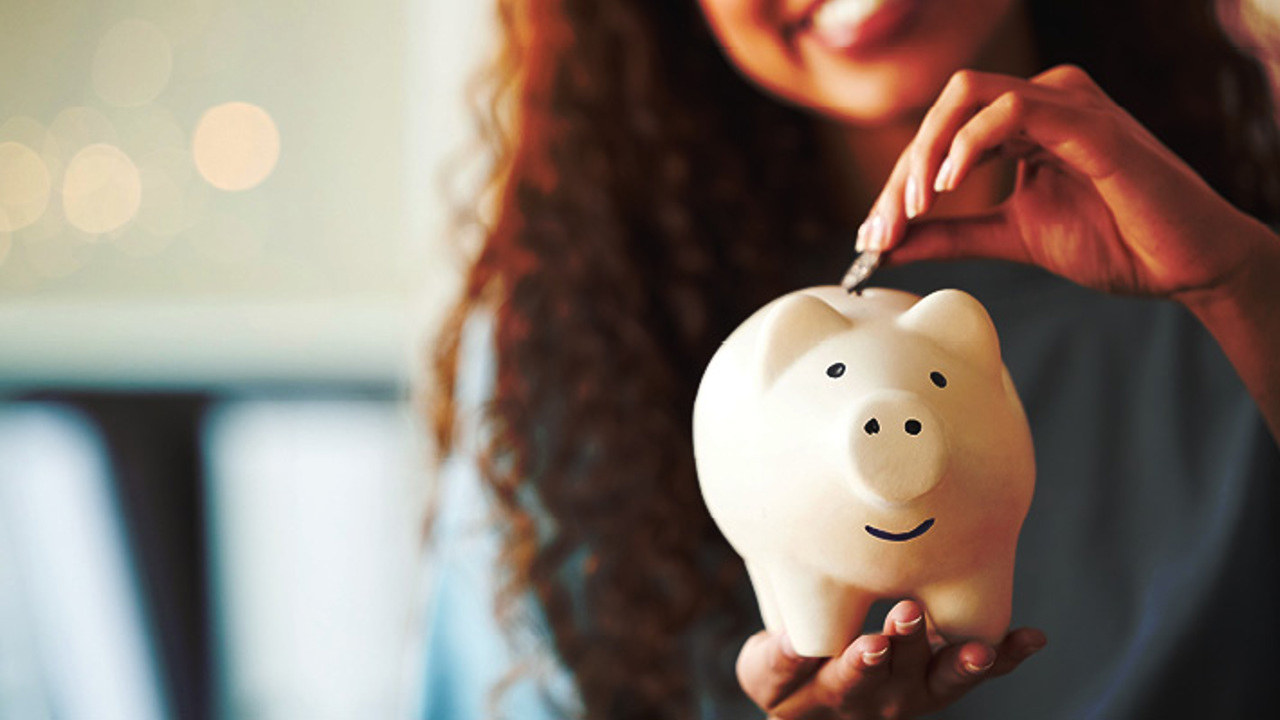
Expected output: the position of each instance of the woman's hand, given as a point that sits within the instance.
(900, 673)
(1098, 199)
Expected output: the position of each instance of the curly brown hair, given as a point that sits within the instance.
(647, 199)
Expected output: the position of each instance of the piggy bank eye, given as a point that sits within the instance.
(938, 379)
(835, 370)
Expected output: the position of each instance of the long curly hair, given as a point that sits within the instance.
(645, 199)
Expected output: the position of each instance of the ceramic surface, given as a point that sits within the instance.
(856, 447)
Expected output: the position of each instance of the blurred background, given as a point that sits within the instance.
(224, 243)
(225, 239)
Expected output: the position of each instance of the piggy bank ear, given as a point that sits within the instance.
(791, 327)
(957, 322)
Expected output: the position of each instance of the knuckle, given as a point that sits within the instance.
(1112, 136)
(779, 664)
(837, 698)
(1012, 102)
(1084, 89)
(1068, 75)
(1073, 73)
(891, 707)
(962, 84)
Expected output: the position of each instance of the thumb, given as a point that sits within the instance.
(990, 235)
(769, 669)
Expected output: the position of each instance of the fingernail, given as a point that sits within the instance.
(875, 658)
(942, 183)
(908, 626)
(876, 235)
(973, 669)
(914, 199)
(861, 244)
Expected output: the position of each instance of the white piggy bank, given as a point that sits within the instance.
(857, 447)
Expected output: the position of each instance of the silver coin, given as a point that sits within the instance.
(860, 271)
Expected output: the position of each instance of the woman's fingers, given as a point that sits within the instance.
(992, 235)
(911, 654)
(844, 682)
(958, 668)
(905, 626)
(770, 670)
(1060, 110)
(1017, 646)
(882, 675)
(1076, 135)
(885, 223)
(965, 94)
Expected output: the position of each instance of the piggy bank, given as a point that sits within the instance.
(858, 447)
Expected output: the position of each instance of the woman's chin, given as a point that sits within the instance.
(870, 101)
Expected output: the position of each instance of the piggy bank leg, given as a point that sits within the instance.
(764, 596)
(822, 616)
(972, 608)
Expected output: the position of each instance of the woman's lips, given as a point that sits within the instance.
(850, 26)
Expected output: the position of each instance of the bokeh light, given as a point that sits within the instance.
(236, 146)
(133, 64)
(101, 190)
(24, 186)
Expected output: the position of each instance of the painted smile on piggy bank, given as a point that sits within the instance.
(919, 530)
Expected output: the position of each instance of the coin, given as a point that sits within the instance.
(860, 271)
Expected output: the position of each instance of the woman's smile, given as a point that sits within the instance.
(866, 62)
(855, 26)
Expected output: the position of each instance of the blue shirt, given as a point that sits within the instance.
(1149, 556)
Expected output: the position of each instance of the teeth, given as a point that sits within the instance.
(841, 14)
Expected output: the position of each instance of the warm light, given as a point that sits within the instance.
(133, 64)
(101, 190)
(24, 186)
(29, 132)
(236, 146)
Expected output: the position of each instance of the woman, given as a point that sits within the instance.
(673, 166)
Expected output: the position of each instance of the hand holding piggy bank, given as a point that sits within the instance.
(857, 447)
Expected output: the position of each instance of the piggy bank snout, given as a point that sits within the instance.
(899, 447)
